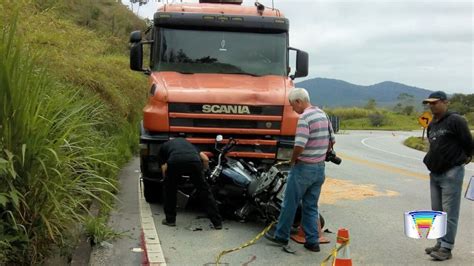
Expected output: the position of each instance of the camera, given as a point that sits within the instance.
(331, 157)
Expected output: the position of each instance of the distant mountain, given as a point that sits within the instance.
(334, 93)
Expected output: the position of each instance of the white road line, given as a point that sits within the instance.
(152, 243)
(393, 153)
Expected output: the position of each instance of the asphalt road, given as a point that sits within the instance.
(378, 180)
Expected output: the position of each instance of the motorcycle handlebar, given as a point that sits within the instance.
(232, 142)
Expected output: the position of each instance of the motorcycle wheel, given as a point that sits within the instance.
(322, 222)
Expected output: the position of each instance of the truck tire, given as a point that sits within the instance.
(152, 191)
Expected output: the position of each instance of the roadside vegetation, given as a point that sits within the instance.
(403, 116)
(69, 112)
(417, 143)
(377, 118)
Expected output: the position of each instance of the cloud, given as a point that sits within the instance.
(428, 44)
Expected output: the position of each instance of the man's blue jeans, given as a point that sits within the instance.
(446, 190)
(304, 183)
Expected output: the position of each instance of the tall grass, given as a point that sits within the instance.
(65, 127)
(359, 118)
(349, 112)
(53, 158)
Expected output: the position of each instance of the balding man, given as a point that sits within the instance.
(314, 137)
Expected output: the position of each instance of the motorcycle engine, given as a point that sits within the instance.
(236, 172)
(264, 182)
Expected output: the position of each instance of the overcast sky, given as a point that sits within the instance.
(422, 43)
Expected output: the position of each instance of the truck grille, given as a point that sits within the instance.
(220, 123)
(204, 121)
(198, 108)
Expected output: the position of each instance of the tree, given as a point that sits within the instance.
(371, 104)
(405, 97)
(405, 104)
(462, 103)
(377, 119)
(408, 110)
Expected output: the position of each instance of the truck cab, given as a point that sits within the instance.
(217, 68)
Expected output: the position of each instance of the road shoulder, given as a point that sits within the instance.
(124, 218)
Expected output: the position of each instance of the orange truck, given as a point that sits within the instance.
(217, 68)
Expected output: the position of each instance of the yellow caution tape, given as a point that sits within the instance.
(249, 243)
(333, 253)
(281, 163)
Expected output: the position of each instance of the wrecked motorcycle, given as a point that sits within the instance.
(243, 191)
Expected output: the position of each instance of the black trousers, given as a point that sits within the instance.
(204, 195)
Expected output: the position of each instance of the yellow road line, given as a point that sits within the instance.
(388, 168)
(384, 167)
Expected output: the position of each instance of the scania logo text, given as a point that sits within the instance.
(225, 109)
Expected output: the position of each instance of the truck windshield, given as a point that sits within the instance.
(193, 51)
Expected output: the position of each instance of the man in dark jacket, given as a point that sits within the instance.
(179, 158)
(450, 149)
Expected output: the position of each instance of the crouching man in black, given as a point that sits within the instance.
(179, 158)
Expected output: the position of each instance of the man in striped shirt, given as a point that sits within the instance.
(314, 137)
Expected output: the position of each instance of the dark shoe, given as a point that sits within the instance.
(314, 247)
(293, 230)
(217, 226)
(272, 238)
(166, 222)
(441, 254)
(431, 249)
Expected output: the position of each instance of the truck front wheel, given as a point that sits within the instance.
(152, 191)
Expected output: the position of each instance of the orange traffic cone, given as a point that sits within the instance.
(343, 256)
(299, 237)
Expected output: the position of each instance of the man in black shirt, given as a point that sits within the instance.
(450, 149)
(179, 158)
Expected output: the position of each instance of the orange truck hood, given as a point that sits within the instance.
(221, 88)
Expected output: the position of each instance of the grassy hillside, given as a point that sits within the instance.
(69, 108)
(82, 49)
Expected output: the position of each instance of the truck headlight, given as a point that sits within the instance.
(284, 153)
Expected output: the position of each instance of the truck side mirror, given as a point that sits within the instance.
(301, 64)
(136, 51)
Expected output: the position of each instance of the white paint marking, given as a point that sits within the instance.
(393, 153)
(137, 250)
(152, 243)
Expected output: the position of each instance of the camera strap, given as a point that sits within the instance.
(329, 131)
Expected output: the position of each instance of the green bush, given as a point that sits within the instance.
(417, 143)
(377, 119)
